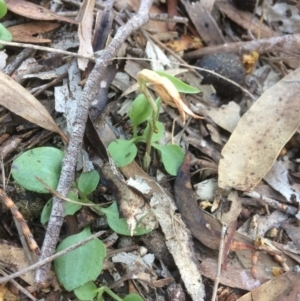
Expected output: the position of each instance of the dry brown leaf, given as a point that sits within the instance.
(285, 287)
(260, 135)
(166, 91)
(14, 258)
(33, 11)
(232, 276)
(25, 32)
(18, 100)
(85, 31)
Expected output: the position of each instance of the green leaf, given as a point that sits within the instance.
(81, 265)
(156, 136)
(118, 224)
(133, 297)
(88, 291)
(70, 208)
(140, 110)
(172, 157)
(180, 85)
(45, 215)
(42, 162)
(5, 35)
(122, 151)
(88, 181)
(3, 8)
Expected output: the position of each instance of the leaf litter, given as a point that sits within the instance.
(254, 143)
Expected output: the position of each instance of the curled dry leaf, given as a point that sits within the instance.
(18, 100)
(260, 135)
(166, 91)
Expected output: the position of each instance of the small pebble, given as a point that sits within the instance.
(228, 65)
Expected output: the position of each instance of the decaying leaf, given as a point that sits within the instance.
(284, 287)
(14, 258)
(260, 135)
(18, 100)
(85, 31)
(33, 11)
(278, 178)
(26, 32)
(186, 201)
(157, 57)
(233, 276)
(166, 91)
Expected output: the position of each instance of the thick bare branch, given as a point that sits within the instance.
(69, 162)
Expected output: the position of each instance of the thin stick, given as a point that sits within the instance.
(273, 44)
(19, 287)
(272, 203)
(20, 219)
(59, 195)
(220, 259)
(192, 68)
(24, 243)
(92, 58)
(69, 162)
(47, 49)
(50, 258)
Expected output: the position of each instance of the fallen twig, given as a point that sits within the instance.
(69, 162)
(220, 259)
(272, 203)
(287, 42)
(20, 287)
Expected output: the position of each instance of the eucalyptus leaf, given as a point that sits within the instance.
(122, 151)
(119, 225)
(42, 162)
(88, 291)
(81, 265)
(88, 181)
(179, 85)
(172, 157)
(140, 110)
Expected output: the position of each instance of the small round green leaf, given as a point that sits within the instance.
(140, 110)
(172, 157)
(88, 291)
(156, 136)
(70, 208)
(81, 265)
(5, 35)
(119, 225)
(179, 85)
(88, 182)
(133, 297)
(122, 151)
(3, 8)
(42, 162)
